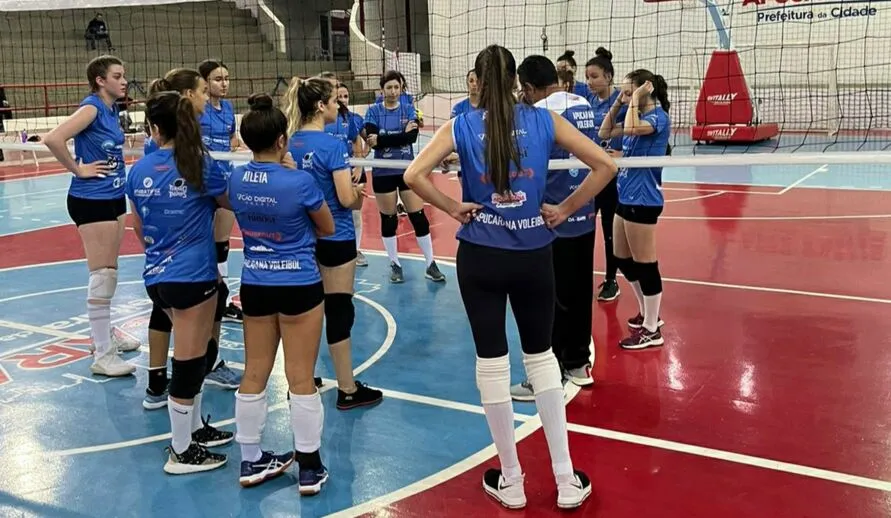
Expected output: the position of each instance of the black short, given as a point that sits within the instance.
(607, 199)
(388, 184)
(643, 214)
(83, 211)
(335, 253)
(262, 301)
(181, 295)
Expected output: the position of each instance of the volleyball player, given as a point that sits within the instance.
(349, 128)
(566, 62)
(311, 106)
(472, 101)
(189, 84)
(172, 195)
(599, 73)
(97, 204)
(280, 211)
(504, 252)
(218, 130)
(573, 249)
(392, 129)
(647, 129)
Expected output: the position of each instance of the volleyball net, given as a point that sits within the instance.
(751, 77)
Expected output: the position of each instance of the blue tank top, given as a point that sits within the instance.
(177, 219)
(562, 183)
(322, 154)
(462, 107)
(601, 110)
(643, 185)
(389, 122)
(217, 128)
(513, 220)
(272, 205)
(345, 129)
(102, 140)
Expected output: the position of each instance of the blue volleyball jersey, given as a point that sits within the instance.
(177, 219)
(102, 140)
(272, 205)
(643, 185)
(462, 107)
(601, 110)
(512, 220)
(322, 154)
(562, 183)
(149, 146)
(390, 122)
(581, 89)
(217, 128)
(346, 129)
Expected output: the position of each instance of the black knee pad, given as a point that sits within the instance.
(339, 316)
(419, 222)
(222, 251)
(650, 279)
(628, 268)
(159, 321)
(389, 222)
(187, 378)
(222, 300)
(210, 357)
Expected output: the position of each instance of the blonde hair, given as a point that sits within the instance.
(301, 99)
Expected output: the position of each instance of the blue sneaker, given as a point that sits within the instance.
(311, 480)
(224, 377)
(154, 402)
(268, 467)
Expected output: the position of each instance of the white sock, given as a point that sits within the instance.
(223, 268)
(640, 297)
(543, 372)
(196, 412)
(426, 244)
(652, 305)
(99, 316)
(357, 222)
(250, 420)
(307, 419)
(500, 417)
(180, 425)
(392, 253)
(493, 381)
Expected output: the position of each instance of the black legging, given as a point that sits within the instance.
(488, 277)
(574, 280)
(605, 203)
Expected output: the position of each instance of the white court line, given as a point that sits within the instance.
(42, 330)
(27, 230)
(822, 169)
(35, 193)
(382, 350)
(701, 197)
(727, 191)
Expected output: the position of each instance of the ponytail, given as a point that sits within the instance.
(301, 100)
(189, 152)
(496, 71)
(660, 91)
(292, 111)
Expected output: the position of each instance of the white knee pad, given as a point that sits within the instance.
(493, 379)
(103, 283)
(543, 371)
(250, 417)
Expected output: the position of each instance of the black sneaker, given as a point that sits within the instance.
(363, 396)
(194, 460)
(210, 437)
(233, 313)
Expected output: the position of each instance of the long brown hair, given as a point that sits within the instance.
(496, 71)
(301, 99)
(176, 120)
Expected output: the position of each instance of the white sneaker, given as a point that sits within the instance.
(509, 493)
(580, 376)
(573, 492)
(112, 365)
(123, 341)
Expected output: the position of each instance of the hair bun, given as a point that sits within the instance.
(603, 53)
(569, 53)
(259, 102)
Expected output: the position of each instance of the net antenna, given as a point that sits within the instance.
(726, 110)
